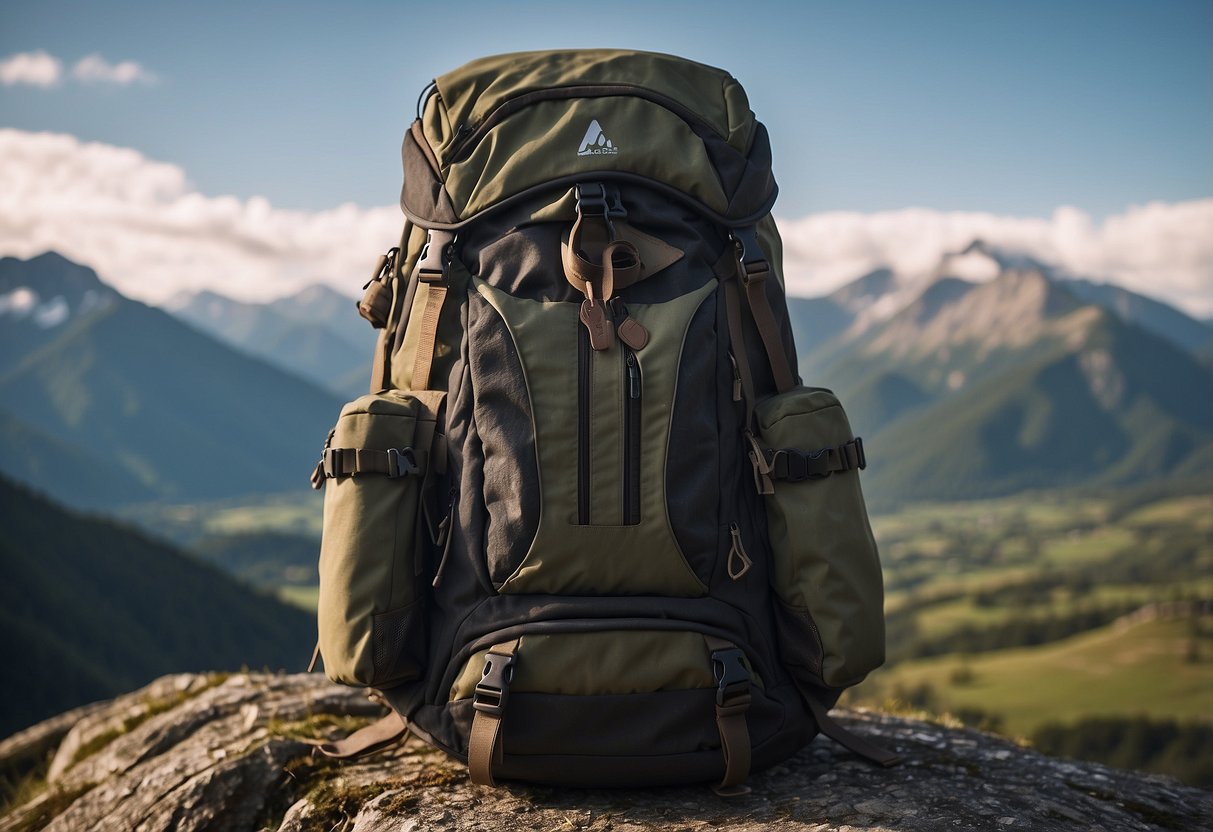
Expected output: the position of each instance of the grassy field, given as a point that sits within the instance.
(1158, 668)
(1082, 623)
(301, 596)
(296, 513)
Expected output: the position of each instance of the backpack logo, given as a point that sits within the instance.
(596, 143)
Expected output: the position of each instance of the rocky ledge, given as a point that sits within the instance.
(232, 753)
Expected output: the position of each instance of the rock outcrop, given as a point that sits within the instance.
(232, 753)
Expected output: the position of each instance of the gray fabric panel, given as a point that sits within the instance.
(422, 194)
(502, 413)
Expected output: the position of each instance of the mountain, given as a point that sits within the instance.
(316, 333)
(89, 609)
(142, 404)
(39, 297)
(1164, 321)
(972, 389)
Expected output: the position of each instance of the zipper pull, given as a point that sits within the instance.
(633, 376)
(602, 331)
(739, 562)
(443, 538)
(629, 330)
(736, 378)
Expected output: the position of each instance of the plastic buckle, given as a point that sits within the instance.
(434, 263)
(401, 462)
(797, 468)
(859, 452)
(732, 677)
(822, 458)
(329, 460)
(493, 689)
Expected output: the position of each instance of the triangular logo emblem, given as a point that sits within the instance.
(596, 142)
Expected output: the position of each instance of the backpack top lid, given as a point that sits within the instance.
(500, 128)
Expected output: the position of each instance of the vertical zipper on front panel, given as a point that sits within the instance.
(583, 425)
(631, 438)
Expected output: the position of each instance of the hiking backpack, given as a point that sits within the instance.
(588, 528)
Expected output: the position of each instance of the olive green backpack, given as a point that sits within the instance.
(588, 528)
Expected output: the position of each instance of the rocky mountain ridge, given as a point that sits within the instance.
(197, 752)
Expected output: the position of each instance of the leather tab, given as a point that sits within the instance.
(632, 333)
(377, 736)
(602, 331)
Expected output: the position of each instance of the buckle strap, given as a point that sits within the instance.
(795, 465)
(732, 703)
(492, 694)
(752, 271)
(346, 462)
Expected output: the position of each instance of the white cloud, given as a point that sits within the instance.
(1164, 250)
(149, 233)
(94, 69)
(36, 69)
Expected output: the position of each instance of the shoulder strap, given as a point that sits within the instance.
(753, 269)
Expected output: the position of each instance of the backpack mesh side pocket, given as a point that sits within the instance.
(369, 610)
(826, 570)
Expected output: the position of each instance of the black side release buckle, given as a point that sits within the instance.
(493, 689)
(401, 462)
(732, 677)
(595, 199)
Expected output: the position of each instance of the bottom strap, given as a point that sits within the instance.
(375, 737)
(868, 750)
(492, 693)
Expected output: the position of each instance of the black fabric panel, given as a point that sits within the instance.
(522, 257)
(754, 182)
(692, 460)
(663, 738)
(669, 722)
(502, 413)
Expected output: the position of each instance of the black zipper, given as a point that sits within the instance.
(467, 137)
(584, 353)
(631, 438)
(459, 658)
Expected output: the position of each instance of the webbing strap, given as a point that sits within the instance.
(374, 737)
(492, 693)
(346, 462)
(732, 302)
(794, 465)
(753, 271)
(732, 702)
(868, 750)
(424, 361)
(433, 269)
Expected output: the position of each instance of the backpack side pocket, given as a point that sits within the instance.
(371, 555)
(826, 568)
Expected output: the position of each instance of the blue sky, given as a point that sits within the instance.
(1011, 108)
